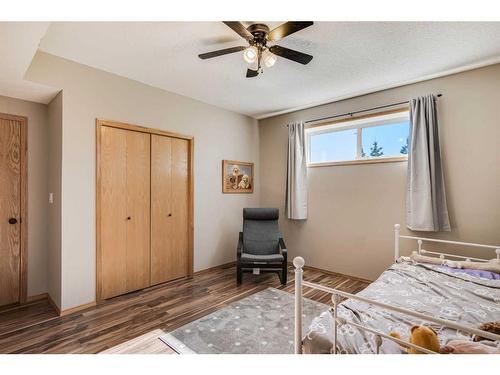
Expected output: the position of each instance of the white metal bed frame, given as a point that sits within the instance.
(299, 262)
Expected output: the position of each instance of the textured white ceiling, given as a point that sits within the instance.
(349, 58)
(18, 44)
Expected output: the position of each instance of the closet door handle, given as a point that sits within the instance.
(12, 221)
(129, 218)
(169, 215)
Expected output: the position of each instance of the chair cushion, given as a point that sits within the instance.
(261, 237)
(274, 258)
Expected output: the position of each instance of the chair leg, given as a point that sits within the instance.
(239, 275)
(284, 275)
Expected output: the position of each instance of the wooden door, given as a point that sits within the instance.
(170, 208)
(10, 211)
(161, 208)
(113, 211)
(138, 210)
(124, 211)
(180, 206)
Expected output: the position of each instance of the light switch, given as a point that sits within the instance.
(51, 198)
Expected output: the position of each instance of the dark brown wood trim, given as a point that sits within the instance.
(100, 123)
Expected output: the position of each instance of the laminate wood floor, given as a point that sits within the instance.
(15, 317)
(132, 323)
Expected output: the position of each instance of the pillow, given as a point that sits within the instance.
(488, 275)
(416, 257)
(492, 265)
(467, 347)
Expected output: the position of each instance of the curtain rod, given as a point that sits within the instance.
(361, 111)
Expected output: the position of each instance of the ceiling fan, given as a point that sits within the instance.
(258, 52)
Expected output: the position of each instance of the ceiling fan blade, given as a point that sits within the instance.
(286, 29)
(290, 54)
(252, 73)
(221, 52)
(239, 29)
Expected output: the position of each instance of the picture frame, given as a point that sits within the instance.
(237, 177)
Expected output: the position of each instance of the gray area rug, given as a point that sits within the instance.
(262, 323)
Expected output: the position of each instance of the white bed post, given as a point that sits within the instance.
(497, 252)
(396, 241)
(335, 300)
(298, 262)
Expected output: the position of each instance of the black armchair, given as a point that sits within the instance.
(261, 245)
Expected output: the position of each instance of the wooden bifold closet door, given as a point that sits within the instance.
(169, 208)
(125, 211)
(143, 209)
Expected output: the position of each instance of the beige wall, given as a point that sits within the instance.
(219, 134)
(37, 188)
(54, 255)
(352, 209)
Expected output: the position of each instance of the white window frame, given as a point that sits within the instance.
(359, 123)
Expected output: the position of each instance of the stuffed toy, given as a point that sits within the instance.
(422, 336)
(493, 327)
(468, 347)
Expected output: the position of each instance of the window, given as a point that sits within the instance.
(382, 137)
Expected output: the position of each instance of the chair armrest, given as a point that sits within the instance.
(239, 249)
(282, 245)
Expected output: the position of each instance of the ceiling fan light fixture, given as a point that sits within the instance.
(250, 54)
(269, 59)
(257, 53)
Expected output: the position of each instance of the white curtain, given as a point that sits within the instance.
(426, 208)
(296, 181)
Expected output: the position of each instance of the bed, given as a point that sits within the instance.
(451, 302)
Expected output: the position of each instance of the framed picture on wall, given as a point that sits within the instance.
(237, 177)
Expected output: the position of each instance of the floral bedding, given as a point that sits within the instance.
(424, 288)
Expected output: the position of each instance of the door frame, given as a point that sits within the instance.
(23, 205)
(137, 128)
